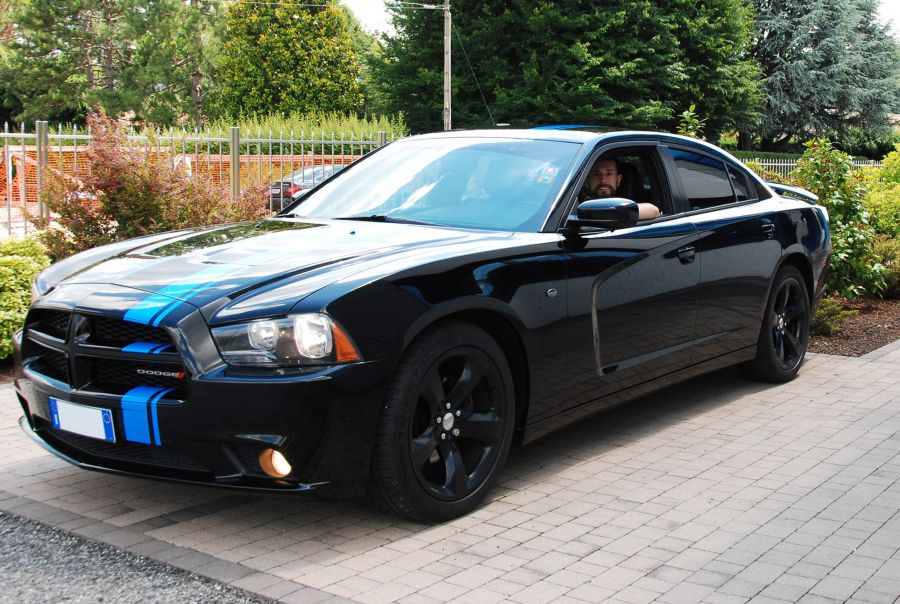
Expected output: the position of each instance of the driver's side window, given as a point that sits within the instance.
(630, 173)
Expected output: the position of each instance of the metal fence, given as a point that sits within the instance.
(27, 157)
(783, 167)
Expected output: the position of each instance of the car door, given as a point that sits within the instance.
(632, 298)
(736, 246)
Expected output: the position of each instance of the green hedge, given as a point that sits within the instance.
(20, 261)
(765, 155)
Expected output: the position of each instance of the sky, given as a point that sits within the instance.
(374, 17)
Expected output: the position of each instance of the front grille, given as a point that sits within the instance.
(120, 376)
(53, 364)
(129, 452)
(79, 362)
(54, 323)
(116, 333)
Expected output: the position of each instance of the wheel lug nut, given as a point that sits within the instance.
(448, 405)
(455, 431)
(437, 420)
(443, 436)
(458, 412)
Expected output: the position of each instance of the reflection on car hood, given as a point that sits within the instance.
(205, 266)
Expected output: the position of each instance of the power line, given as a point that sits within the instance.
(474, 77)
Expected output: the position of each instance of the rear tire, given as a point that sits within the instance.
(784, 335)
(446, 426)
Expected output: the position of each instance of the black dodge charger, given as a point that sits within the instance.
(399, 327)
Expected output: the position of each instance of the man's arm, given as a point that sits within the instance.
(647, 211)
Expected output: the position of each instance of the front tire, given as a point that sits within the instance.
(784, 336)
(447, 424)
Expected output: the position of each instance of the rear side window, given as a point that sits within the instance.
(739, 182)
(705, 180)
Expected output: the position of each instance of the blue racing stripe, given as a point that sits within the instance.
(146, 347)
(134, 413)
(155, 306)
(140, 347)
(155, 416)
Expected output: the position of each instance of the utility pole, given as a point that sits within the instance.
(447, 115)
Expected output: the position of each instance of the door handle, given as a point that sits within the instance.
(686, 255)
(768, 230)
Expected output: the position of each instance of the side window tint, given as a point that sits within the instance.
(739, 182)
(706, 182)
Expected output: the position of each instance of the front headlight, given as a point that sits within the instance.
(307, 339)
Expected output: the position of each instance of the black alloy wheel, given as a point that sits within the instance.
(784, 336)
(447, 424)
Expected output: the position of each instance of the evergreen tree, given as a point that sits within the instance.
(128, 56)
(287, 58)
(631, 63)
(828, 66)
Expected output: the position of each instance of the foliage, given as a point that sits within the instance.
(130, 192)
(318, 124)
(690, 123)
(883, 199)
(623, 62)
(145, 58)
(766, 155)
(765, 174)
(888, 249)
(20, 261)
(828, 66)
(872, 145)
(829, 316)
(283, 57)
(830, 174)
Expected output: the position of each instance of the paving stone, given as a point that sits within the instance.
(718, 490)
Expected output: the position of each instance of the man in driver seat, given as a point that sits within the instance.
(603, 181)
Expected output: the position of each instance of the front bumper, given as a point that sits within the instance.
(322, 421)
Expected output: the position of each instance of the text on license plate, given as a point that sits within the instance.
(87, 421)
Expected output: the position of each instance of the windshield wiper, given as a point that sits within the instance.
(384, 218)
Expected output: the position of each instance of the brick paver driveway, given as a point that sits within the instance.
(718, 490)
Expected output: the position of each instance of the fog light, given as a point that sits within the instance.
(274, 464)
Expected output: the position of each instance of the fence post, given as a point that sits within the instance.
(235, 166)
(382, 138)
(42, 142)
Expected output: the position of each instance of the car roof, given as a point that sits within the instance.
(569, 135)
(587, 138)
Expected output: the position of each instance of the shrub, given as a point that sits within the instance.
(765, 174)
(829, 317)
(20, 261)
(830, 174)
(888, 249)
(883, 200)
(128, 192)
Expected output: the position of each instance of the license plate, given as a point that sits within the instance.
(87, 421)
(275, 191)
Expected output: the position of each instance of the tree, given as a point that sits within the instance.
(828, 66)
(130, 56)
(634, 63)
(279, 56)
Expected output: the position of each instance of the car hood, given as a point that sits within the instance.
(234, 261)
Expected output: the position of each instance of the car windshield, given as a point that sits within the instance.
(480, 183)
(312, 175)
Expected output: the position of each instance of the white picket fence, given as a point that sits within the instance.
(783, 167)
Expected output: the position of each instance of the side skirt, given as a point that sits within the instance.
(543, 427)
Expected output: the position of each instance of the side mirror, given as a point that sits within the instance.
(612, 213)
